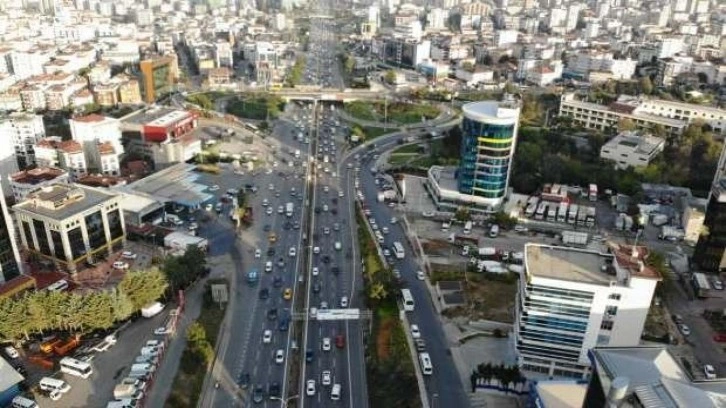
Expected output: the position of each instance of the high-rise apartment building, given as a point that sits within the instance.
(489, 137)
(19, 132)
(571, 300)
(10, 265)
(710, 252)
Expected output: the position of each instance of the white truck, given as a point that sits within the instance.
(152, 309)
(491, 267)
(487, 251)
(671, 233)
(289, 207)
(574, 238)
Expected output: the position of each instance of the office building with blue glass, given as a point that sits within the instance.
(489, 137)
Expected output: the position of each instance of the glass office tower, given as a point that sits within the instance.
(489, 136)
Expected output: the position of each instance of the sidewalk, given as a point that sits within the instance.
(165, 374)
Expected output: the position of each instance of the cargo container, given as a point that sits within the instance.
(574, 238)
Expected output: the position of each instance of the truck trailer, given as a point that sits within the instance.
(574, 238)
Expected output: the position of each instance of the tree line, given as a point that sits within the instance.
(567, 155)
(43, 311)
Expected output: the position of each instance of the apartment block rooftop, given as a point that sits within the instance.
(37, 175)
(588, 266)
(640, 143)
(60, 201)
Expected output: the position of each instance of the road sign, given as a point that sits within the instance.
(339, 314)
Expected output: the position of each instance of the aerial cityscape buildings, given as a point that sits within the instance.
(457, 203)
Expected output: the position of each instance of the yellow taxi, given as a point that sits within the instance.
(272, 237)
(287, 294)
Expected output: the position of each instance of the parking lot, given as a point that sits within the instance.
(109, 367)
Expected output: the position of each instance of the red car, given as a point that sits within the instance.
(340, 341)
(721, 337)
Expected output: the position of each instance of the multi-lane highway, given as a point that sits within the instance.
(444, 387)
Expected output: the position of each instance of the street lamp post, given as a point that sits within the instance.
(285, 401)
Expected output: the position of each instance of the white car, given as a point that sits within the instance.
(310, 388)
(709, 371)
(344, 301)
(316, 271)
(327, 378)
(685, 330)
(267, 336)
(268, 211)
(394, 220)
(214, 188)
(280, 209)
(338, 246)
(120, 265)
(316, 250)
(268, 266)
(420, 275)
(279, 356)
(128, 255)
(415, 333)
(326, 189)
(209, 207)
(325, 207)
(258, 253)
(326, 344)
(11, 352)
(341, 194)
(384, 230)
(293, 251)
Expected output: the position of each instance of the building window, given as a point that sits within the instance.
(611, 311)
(614, 296)
(606, 325)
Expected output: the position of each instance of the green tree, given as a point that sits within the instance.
(143, 287)
(658, 130)
(349, 64)
(468, 66)
(625, 125)
(390, 76)
(201, 100)
(646, 85)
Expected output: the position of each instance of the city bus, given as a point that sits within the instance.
(75, 367)
(408, 304)
(398, 250)
(426, 367)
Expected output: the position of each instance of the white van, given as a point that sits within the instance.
(124, 403)
(426, 367)
(335, 392)
(143, 367)
(54, 384)
(22, 402)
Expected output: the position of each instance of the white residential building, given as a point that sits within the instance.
(25, 64)
(19, 132)
(100, 136)
(632, 149)
(67, 155)
(586, 62)
(606, 117)
(223, 54)
(437, 19)
(571, 300)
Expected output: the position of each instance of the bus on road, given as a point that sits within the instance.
(398, 250)
(408, 304)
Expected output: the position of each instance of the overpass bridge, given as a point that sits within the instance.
(332, 95)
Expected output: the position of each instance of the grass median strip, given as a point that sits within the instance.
(199, 353)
